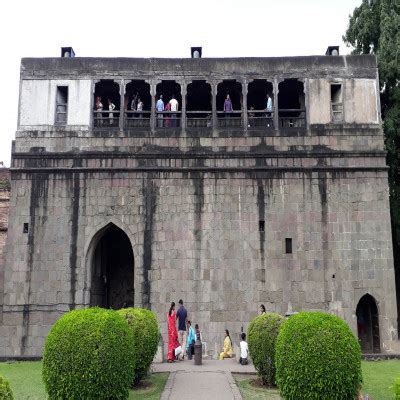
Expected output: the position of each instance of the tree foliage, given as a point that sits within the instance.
(374, 28)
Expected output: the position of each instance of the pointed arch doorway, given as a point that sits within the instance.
(368, 324)
(112, 269)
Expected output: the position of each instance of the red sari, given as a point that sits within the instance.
(172, 335)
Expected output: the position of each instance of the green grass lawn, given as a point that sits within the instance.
(378, 376)
(26, 382)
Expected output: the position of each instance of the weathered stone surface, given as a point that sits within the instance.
(191, 207)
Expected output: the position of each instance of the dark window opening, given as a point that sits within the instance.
(198, 105)
(336, 103)
(288, 245)
(260, 104)
(168, 113)
(368, 325)
(61, 105)
(113, 271)
(106, 104)
(261, 226)
(137, 104)
(229, 103)
(291, 103)
(26, 228)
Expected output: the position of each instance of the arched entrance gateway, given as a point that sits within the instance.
(368, 324)
(112, 270)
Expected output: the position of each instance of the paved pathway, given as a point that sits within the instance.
(211, 380)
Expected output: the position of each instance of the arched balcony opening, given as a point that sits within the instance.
(198, 105)
(137, 104)
(229, 104)
(260, 104)
(291, 103)
(106, 104)
(168, 105)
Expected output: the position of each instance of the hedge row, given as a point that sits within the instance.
(95, 353)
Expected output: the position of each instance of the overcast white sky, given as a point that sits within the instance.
(155, 28)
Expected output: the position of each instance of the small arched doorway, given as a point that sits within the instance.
(112, 270)
(368, 324)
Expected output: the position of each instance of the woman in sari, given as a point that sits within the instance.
(172, 333)
(227, 353)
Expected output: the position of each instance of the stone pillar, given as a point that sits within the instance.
(153, 121)
(245, 117)
(276, 105)
(214, 86)
(121, 104)
(306, 103)
(183, 108)
(92, 103)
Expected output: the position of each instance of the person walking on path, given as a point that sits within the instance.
(182, 318)
(227, 352)
(172, 333)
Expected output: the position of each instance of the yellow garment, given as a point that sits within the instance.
(227, 353)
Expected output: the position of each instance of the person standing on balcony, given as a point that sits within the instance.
(134, 102)
(111, 107)
(269, 109)
(140, 107)
(160, 109)
(167, 119)
(228, 108)
(174, 108)
(99, 108)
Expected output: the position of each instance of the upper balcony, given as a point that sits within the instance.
(198, 97)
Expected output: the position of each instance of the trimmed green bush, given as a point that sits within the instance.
(261, 335)
(396, 388)
(5, 389)
(317, 357)
(144, 326)
(89, 354)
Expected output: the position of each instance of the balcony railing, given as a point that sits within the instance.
(232, 119)
(337, 112)
(168, 119)
(137, 119)
(61, 113)
(292, 118)
(256, 119)
(106, 119)
(260, 119)
(199, 119)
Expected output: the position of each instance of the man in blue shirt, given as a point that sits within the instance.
(160, 109)
(181, 315)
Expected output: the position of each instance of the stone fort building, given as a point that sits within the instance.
(227, 210)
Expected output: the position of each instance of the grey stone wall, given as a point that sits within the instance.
(205, 247)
